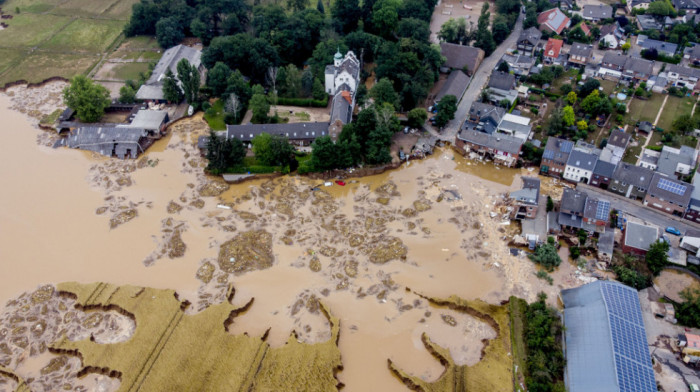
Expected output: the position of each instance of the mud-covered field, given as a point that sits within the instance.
(434, 226)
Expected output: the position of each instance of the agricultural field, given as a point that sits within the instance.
(65, 38)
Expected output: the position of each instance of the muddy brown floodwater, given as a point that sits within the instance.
(69, 216)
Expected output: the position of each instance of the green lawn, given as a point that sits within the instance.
(120, 10)
(675, 107)
(83, 7)
(567, 77)
(215, 116)
(40, 66)
(129, 71)
(632, 153)
(645, 110)
(9, 57)
(30, 6)
(26, 30)
(89, 35)
(608, 86)
(517, 308)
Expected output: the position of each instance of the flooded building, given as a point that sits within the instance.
(526, 200)
(152, 90)
(571, 211)
(668, 195)
(606, 244)
(484, 117)
(503, 149)
(596, 213)
(637, 238)
(342, 78)
(555, 155)
(122, 142)
(299, 134)
(602, 174)
(501, 87)
(152, 121)
(631, 181)
(579, 166)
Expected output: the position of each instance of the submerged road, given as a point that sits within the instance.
(478, 82)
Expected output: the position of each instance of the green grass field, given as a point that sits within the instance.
(86, 35)
(215, 116)
(645, 110)
(40, 66)
(27, 30)
(9, 57)
(675, 107)
(129, 71)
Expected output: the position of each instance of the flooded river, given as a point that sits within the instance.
(69, 216)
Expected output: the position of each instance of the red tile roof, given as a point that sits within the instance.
(553, 48)
(555, 20)
(586, 29)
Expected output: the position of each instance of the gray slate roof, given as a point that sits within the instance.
(662, 47)
(606, 345)
(582, 160)
(648, 22)
(294, 131)
(501, 80)
(605, 169)
(456, 85)
(640, 236)
(459, 56)
(558, 150)
(614, 60)
(686, 4)
(619, 138)
(606, 242)
(639, 66)
(529, 193)
(601, 11)
(669, 159)
(580, 49)
(498, 142)
(660, 191)
(108, 141)
(573, 200)
(532, 35)
(341, 109)
(634, 175)
(683, 71)
(153, 88)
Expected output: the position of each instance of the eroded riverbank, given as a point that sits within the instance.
(70, 216)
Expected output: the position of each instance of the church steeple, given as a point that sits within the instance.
(338, 58)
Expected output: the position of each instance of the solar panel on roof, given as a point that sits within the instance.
(548, 154)
(566, 146)
(603, 210)
(672, 187)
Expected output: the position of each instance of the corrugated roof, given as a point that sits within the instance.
(606, 346)
(149, 119)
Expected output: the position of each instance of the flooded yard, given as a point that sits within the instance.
(367, 250)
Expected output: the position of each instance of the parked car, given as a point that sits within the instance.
(673, 230)
(406, 130)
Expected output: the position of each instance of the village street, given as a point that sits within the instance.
(477, 84)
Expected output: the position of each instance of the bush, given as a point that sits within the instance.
(546, 255)
(574, 252)
(309, 102)
(545, 276)
(631, 277)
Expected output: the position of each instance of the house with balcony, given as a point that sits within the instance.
(680, 76)
(516, 126)
(612, 36)
(668, 195)
(502, 149)
(571, 211)
(580, 54)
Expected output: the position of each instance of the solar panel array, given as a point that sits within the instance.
(566, 146)
(548, 154)
(632, 359)
(603, 210)
(672, 187)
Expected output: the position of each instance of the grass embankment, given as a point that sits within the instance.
(49, 38)
(214, 116)
(517, 309)
(171, 351)
(495, 370)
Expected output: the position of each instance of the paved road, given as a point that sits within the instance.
(478, 82)
(638, 209)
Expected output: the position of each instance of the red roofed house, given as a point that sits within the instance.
(586, 29)
(553, 20)
(552, 49)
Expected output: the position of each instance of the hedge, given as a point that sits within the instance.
(546, 93)
(316, 103)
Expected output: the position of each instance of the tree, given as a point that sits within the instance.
(550, 203)
(385, 17)
(688, 311)
(417, 117)
(171, 90)
(272, 150)
(414, 28)
(324, 154)
(484, 38)
(383, 91)
(317, 91)
(590, 85)
(446, 110)
(650, 54)
(556, 125)
(454, 31)
(582, 125)
(660, 8)
(569, 117)
(626, 46)
(224, 153)
(169, 32)
(320, 8)
(346, 14)
(546, 255)
(260, 106)
(87, 98)
(503, 67)
(127, 94)
(236, 84)
(297, 5)
(571, 98)
(500, 29)
(684, 124)
(590, 103)
(188, 74)
(657, 256)
(290, 81)
(217, 78)
(233, 105)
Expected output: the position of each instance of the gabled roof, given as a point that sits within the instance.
(459, 56)
(597, 209)
(584, 27)
(553, 47)
(661, 46)
(487, 112)
(149, 119)
(350, 64)
(531, 35)
(606, 344)
(455, 85)
(500, 142)
(170, 59)
(529, 193)
(582, 160)
(619, 138)
(639, 66)
(683, 71)
(294, 131)
(648, 22)
(122, 141)
(605, 169)
(614, 60)
(686, 4)
(640, 236)
(670, 189)
(633, 175)
(579, 49)
(573, 200)
(557, 150)
(607, 29)
(554, 19)
(501, 80)
(600, 11)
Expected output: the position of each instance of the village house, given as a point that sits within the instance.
(693, 54)
(689, 6)
(606, 245)
(552, 51)
(597, 12)
(526, 200)
(611, 36)
(579, 166)
(645, 127)
(152, 90)
(517, 126)
(637, 4)
(519, 64)
(580, 54)
(456, 84)
(501, 87)
(681, 76)
(665, 48)
(503, 149)
(676, 162)
(528, 40)
(631, 181)
(341, 81)
(649, 159)
(596, 213)
(466, 58)
(298, 134)
(602, 174)
(648, 22)
(616, 146)
(637, 70)
(668, 195)
(571, 208)
(690, 242)
(484, 117)
(555, 155)
(638, 237)
(693, 212)
(122, 142)
(612, 65)
(553, 20)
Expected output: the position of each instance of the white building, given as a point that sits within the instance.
(517, 126)
(579, 166)
(345, 70)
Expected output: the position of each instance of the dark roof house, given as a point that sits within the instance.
(597, 12)
(501, 80)
(648, 22)
(456, 84)
(636, 176)
(122, 142)
(293, 131)
(462, 57)
(665, 48)
(670, 190)
(153, 88)
(557, 150)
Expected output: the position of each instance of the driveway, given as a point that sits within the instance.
(638, 209)
(477, 84)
